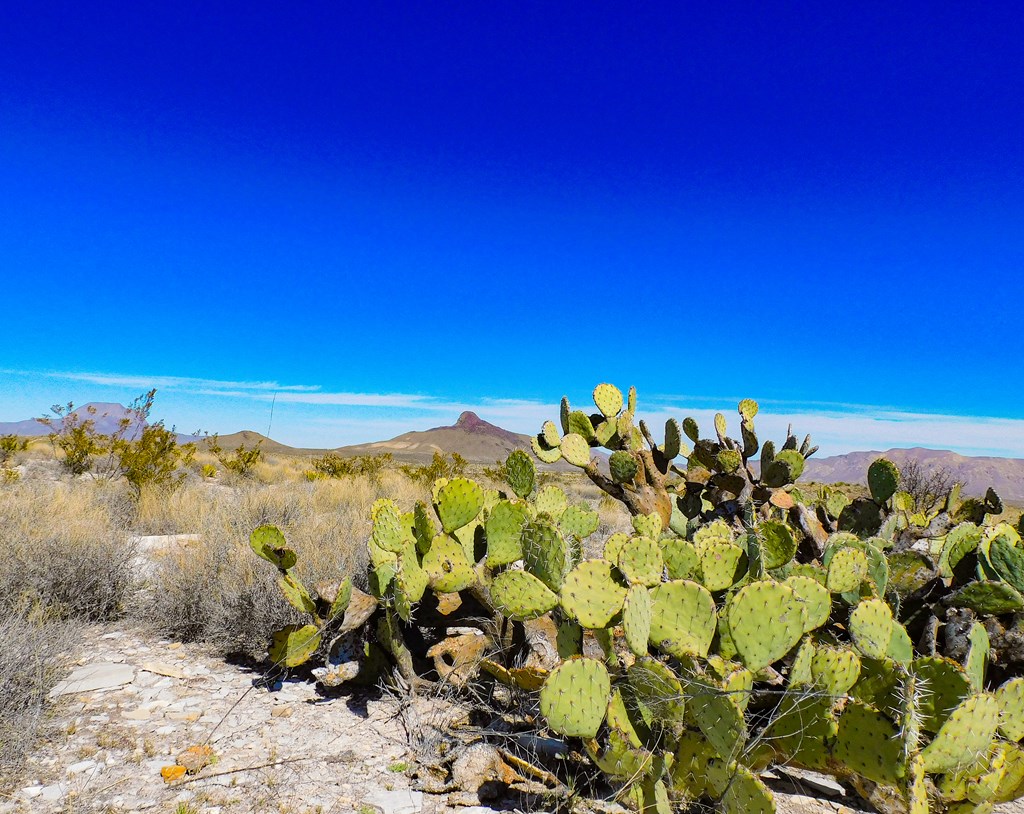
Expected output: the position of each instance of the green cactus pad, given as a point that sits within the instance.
(673, 439)
(747, 409)
(640, 561)
(746, 793)
(636, 619)
(613, 545)
(341, 600)
(549, 432)
(574, 697)
(608, 399)
(504, 529)
(605, 433)
(802, 728)
(721, 428)
(521, 596)
(543, 452)
(423, 526)
(447, 566)
(945, 685)
(458, 503)
(835, 669)
(1011, 785)
(778, 544)
(296, 594)
(551, 501)
(989, 598)
(520, 472)
(683, 618)
(1011, 704)
(654, 686)
(648, 525)
(619, 758)
(410, 583)
(545, 553)
(976, 663)
(268, 542)
(901, 648)
(591, 594)
(292, 645)
(966, 734)
(800, 669)
(579, 522)
(869, 745)
(870, 626)
(623, 466)
(575, 450)
(766, 620)
(783, 468)
(568, 639)
(728, 460)
(722, 565)
(883, 479)
(691, 429)
(1007, 559)
(846, 570)
(387, 526)
(816, 598)
(680, 557)
(718, 716)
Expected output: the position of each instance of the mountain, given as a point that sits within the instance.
(1005, 475)
(105, 415)
(476, 440)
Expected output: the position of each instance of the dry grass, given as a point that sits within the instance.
(33, 653)
(67, 548)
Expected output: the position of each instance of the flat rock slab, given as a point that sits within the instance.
(395, 802)
(101, 675)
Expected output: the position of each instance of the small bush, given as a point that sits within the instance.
(242, 461)
(75, 440)
(10, 445)
(33, 653)
(449, 466)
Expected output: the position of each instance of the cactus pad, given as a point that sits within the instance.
(575, 450)
(294, 644)
(648, 525)
(766, 619)
(504, 527)
(778, 544)
(636, 619)
(296, 594)
(868, 744)
(459, 502)
(447, 565)
(846, 570)
(549, 432)
(654, 686)
(269, 543)
(623, 466)
(718, 716)
(613, 545)
(835, 669)
(746, 793)
(966, 734)
(520, 595)
(945, 685)
(545, 553)
(816, 598)
(579, 522)
(551, 501)
(640, 561)
(608, 399)
(591, 595)
(722, 565)
(977, 655)
(1008, 560)
(520, 472)
(574, 697)
(680, 557)
(1011, 704)
(683, 618)
(871, 626)
(883, 479)
(548, 455)
(988, 597)
(802, 728)
(387, 526)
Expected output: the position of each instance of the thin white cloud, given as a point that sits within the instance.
(166, 382)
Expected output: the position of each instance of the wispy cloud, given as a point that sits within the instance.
(167, 382)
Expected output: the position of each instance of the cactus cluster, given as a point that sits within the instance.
(738, 626)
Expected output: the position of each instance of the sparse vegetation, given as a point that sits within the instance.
(442, 465)
(242, 460)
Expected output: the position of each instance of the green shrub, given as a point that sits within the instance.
(450, 465)
(242, 461)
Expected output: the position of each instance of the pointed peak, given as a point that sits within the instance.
(469, 420)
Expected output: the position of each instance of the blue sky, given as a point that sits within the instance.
(385, 216)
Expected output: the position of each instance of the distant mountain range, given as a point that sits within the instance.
(481, 442)
(106, 417)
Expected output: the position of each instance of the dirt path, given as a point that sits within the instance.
(278, 748)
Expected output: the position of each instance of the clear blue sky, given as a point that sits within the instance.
(465, 204)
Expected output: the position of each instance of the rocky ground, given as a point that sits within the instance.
(135, 706)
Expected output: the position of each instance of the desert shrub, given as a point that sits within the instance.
(10, 445)
(33, 653)
(449, 465)
(208, 471)
(332, 465)
(75, 440)
(241, 461)
(67, 548)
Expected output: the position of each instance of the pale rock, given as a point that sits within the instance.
(399, 801)
(91, 677)
(162, 669)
